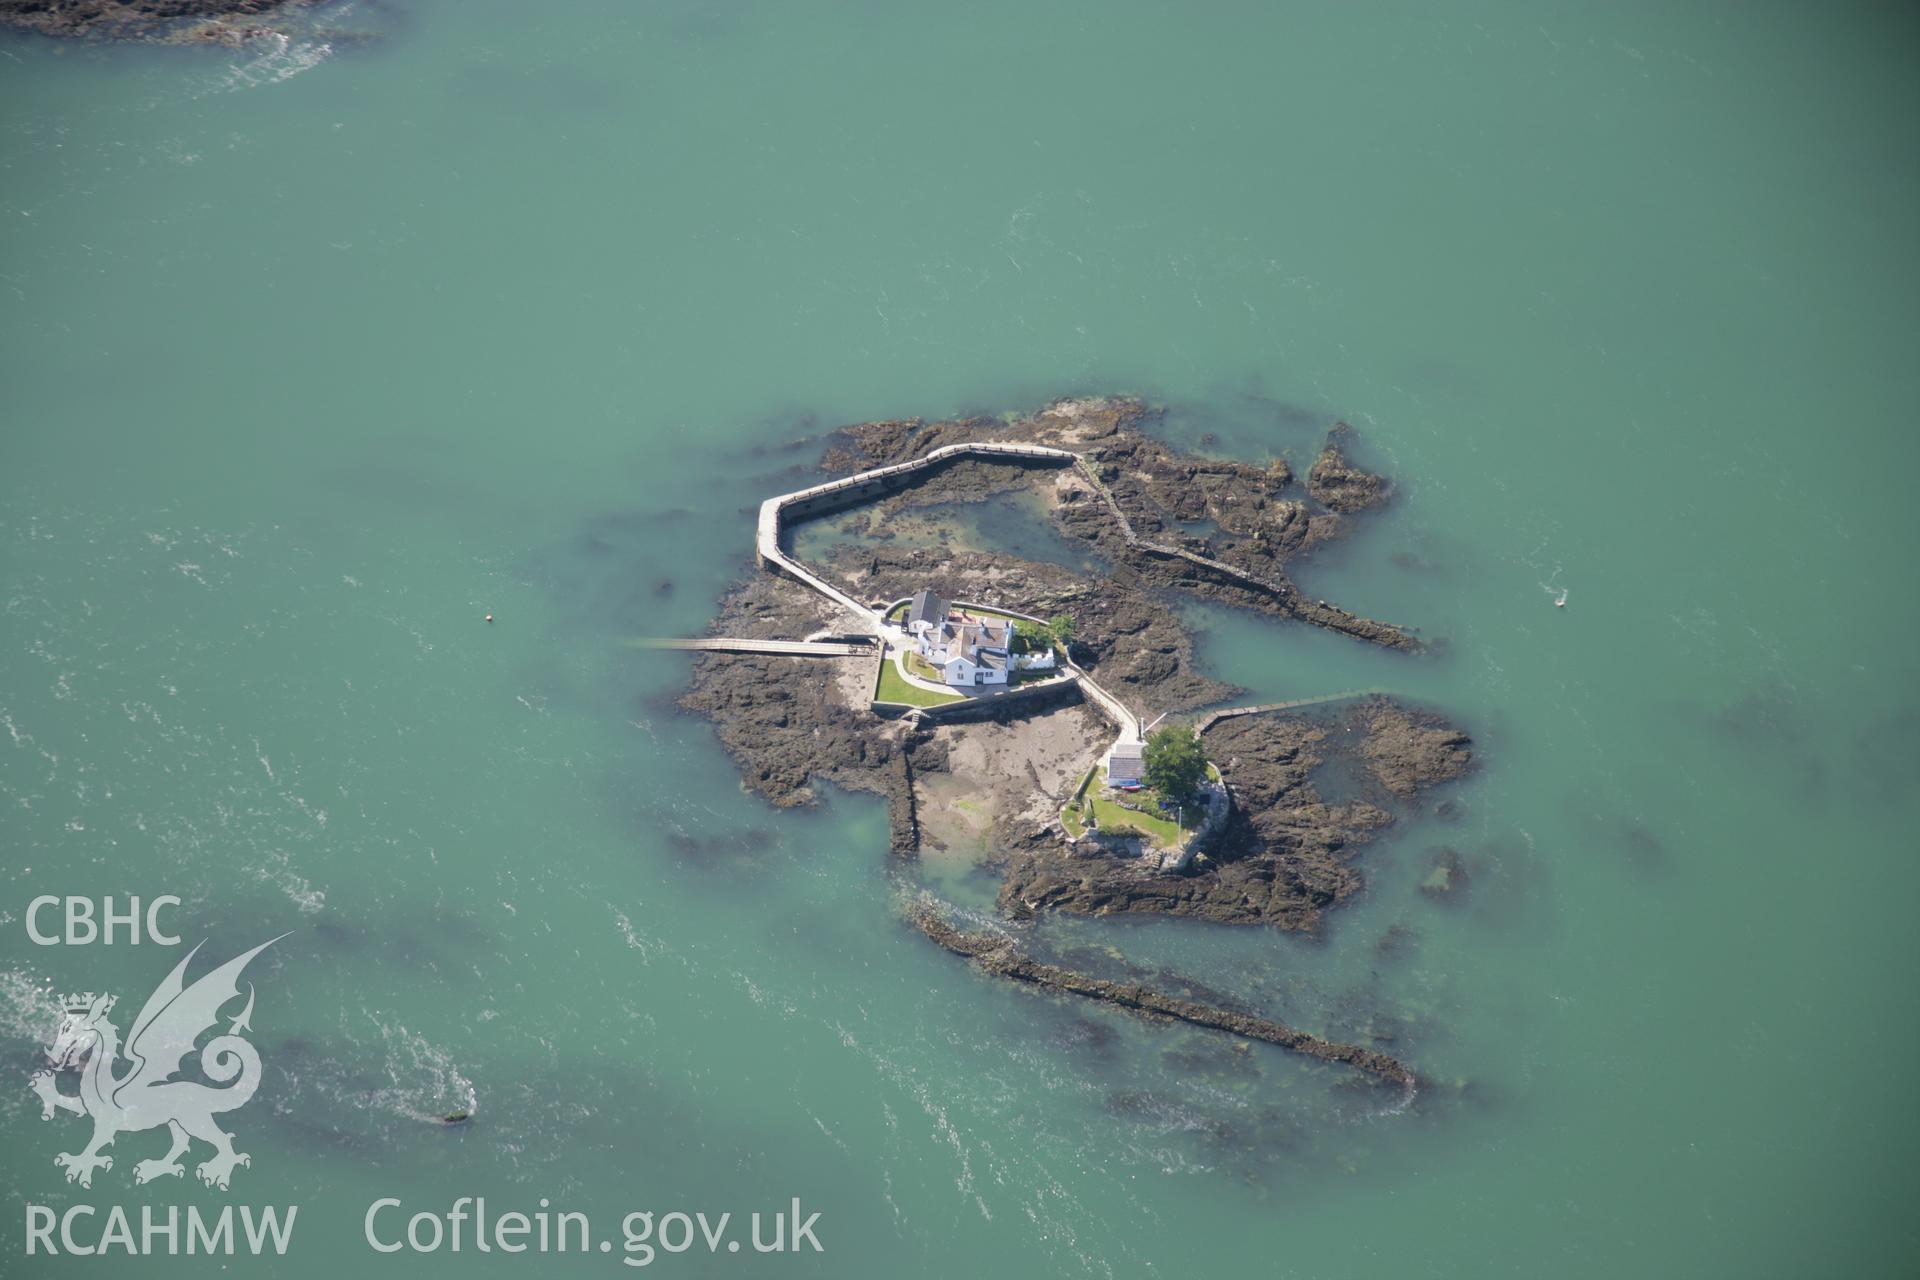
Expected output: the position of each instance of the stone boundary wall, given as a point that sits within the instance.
(1166, 551)
(865, 486)
(1219, 805)
(1319, 612)
(880, 481)
(1024, 697)
(1212, 718)
(903, 810)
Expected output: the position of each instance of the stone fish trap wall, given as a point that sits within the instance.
(865, 487)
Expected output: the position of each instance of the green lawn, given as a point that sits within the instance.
(1159, 830)
(894, 689)
(1162, 831)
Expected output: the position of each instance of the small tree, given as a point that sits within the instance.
(1037, 637)
(1060, 627)
(1175, 763)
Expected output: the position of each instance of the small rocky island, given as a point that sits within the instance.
(230, 23)
(1030, 710)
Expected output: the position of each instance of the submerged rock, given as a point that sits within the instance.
(998, 955)
(1447, 878)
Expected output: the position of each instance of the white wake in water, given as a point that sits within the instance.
(270, 59)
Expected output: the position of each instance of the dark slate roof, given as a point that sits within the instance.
(926, 607)
(974, 638)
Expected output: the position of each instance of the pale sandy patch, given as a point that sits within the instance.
(1019, 772)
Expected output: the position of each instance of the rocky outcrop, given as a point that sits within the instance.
(1336, 484)
(1214, 528)
(782, 732)
(229, 22)
(997, 955)
(1286, 855)
(1406, 750)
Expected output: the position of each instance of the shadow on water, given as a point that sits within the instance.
(405, 936)
(1886, 758)
(1639, 847)
(622, 573)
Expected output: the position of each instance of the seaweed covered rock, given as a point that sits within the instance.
(1338, 485)
(220, 22)
(1209, 527)
(1287, 854)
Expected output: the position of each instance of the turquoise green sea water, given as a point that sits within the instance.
(314, 356)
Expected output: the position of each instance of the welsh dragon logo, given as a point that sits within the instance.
(147, 1093)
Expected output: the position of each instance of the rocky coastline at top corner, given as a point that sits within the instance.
(227, 23)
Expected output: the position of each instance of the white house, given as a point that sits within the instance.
(967, 649)
(1126, 763)
(1033, 661)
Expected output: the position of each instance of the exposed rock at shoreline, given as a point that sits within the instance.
(1408, 751)
(997, 955)
(1337, 484)
(786, 733)
(1235, 514)
(1286, 854)
(216, 22)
